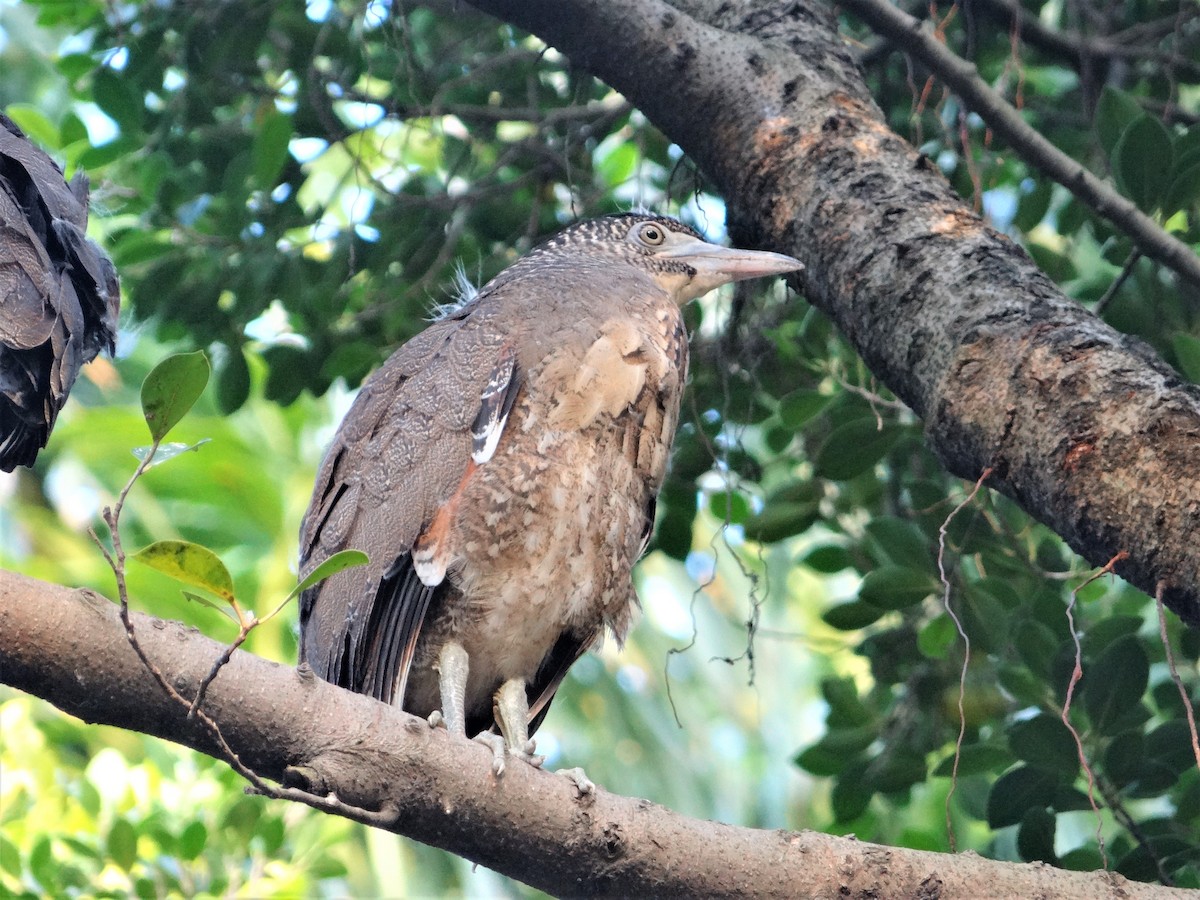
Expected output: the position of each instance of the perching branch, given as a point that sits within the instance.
(371, 762)
(960, 76)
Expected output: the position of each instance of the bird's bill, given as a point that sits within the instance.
(721, 265)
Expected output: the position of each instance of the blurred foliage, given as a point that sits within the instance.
(288, 188)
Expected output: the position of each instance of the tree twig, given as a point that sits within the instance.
(963, 78)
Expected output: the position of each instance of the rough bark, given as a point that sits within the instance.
(70, 648)
(1087, 429)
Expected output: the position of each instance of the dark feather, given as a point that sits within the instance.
(392, 632)
(59, 297)
(550, 675)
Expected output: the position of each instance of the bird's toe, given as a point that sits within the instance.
(583, 784)
(495, 743)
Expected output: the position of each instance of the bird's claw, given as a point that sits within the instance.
(501, 752)
(583, 784)
(436, 718)
(495, 743)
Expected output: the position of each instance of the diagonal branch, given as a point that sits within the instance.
(1138, 45)
(378, 765)
(962, 77)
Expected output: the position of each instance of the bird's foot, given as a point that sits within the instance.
(501, 752)
(436, 718)
(583, 784)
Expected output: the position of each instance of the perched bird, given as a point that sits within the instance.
(59, 297)
(500, 470)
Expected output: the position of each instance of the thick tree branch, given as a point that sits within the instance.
(69, 648)
(1086, 428)
(960, 76)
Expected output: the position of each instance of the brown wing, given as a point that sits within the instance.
(394, 465)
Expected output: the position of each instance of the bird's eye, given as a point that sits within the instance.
(651, 235)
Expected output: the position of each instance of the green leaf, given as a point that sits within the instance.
(850, 740)
(270, 149)
(1106, 630)
(1114, 683)
(824, 761)
(1016, 792)
(1114, 112)
(192, 840)
(897, 771)
(1035, 837)
(72, 130)
(976, 759)
(1124, 757)
(1142, 162)
(846, 710)
(288, 372)
(781, 519)
(141, 246)
(1033, 206)
(730, 507)
(1170, 745)
(189, 563)
(850, 798)
(1187, 148)
(851, 616)
(271, 832)
(1055, 264)
(1081, 859)
(42, 865)
(122, 844)
(898, 542)
(233, 381)
(1184, 191)
(936, 637)
(167, 451)
(339, 562)
(74, 66)
(895, 587)
(854, 448)
(1187, 355)
(35, 124)
(798, 407)
(1045, 743)
(828, 559)
(204, 601)
(95, 158)
(984, 617)
(119, 99)
(171, 389)
(10, 858)
(1037, 645)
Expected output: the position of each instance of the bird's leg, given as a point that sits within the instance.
(453, 666)
(511, 709)
(512, 712)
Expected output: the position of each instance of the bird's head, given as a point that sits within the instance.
(675, 256)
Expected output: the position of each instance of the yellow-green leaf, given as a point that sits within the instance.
(191, 564)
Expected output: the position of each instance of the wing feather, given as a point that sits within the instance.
(399, 457)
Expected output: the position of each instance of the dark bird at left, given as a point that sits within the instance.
(59, 297)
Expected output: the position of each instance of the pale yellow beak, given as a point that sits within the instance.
(716, 265)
